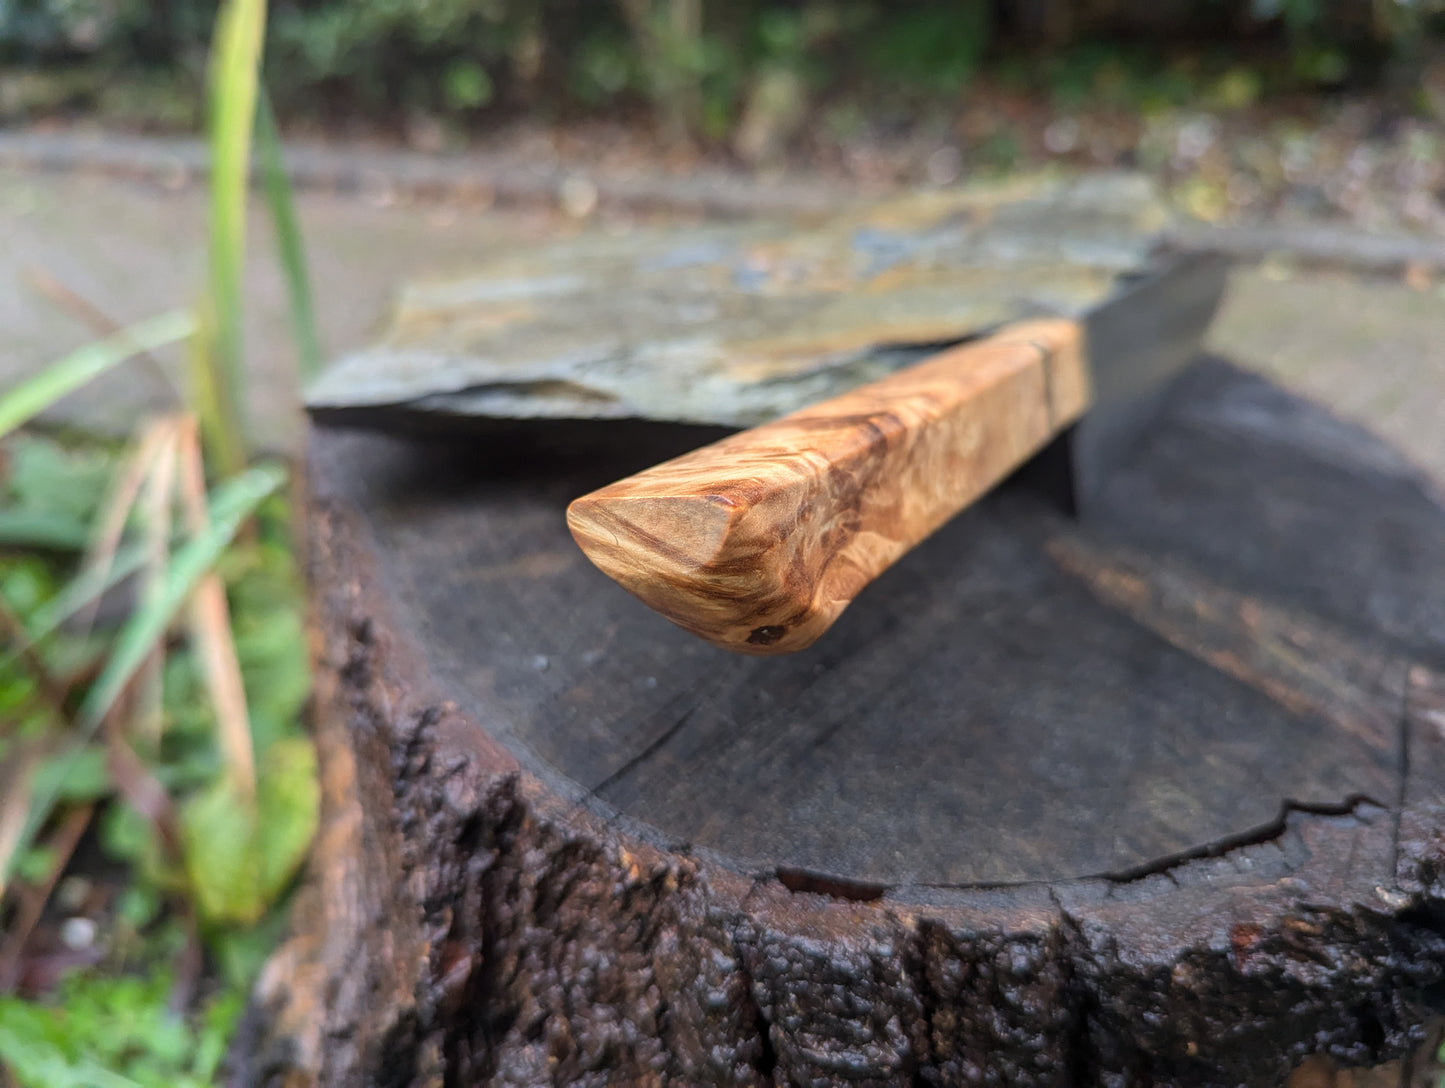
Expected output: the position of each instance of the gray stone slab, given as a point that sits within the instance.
(739, 324)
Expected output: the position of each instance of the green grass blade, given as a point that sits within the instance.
(220, 430)
(32, 1053)
(34, 396)
(289, 244)
(234, 82)
(78, 594)
(234, 502)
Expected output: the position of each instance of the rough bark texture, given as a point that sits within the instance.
(481, 911)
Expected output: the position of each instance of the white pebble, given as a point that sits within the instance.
(578, 196)
(944, 166)
(1061, 136)
(77, 934)
(1194, 138)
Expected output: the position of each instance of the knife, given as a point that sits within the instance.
(759, 541)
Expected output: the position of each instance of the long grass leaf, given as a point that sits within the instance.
(53, 690)
(121, 492)
(210, 623)
(66, 298)
(15, 807)
(78, 594)
(208, 398)
(234, 82)
(234, 501)
(30, 398)
(156, 503)
(289, 243)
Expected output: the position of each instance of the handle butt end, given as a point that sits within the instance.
(680, 555)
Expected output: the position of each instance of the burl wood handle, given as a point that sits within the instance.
(757, 542)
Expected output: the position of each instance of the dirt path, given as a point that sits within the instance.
(134, 249)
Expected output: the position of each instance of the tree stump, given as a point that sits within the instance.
(1150, 800)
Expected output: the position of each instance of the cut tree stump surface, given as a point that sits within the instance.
(1151, 800)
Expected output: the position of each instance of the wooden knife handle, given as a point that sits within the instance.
(756, 543)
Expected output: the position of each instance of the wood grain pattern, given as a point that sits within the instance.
(758, 542)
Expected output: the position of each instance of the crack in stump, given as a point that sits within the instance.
(1257, 836)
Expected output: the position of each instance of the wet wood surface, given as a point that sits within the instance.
(1155, 799)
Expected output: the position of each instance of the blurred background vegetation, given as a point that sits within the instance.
(717, 72)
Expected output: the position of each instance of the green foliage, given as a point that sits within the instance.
(80, 593)
(466, 85)
(241, 953)
(443, 56)
(603, 68)
(40, 530)
(66, 375)
(210, 841)
(233, 503)
(47, 497)
(1101, 73)
(694, 62)
(935, 49)
(80, 777)
(289, 244)
(103, 1032)
(25, 582)
(239, 856)
(269, 628)
(78, 772)
(1237, 88)
(216, 389)
(66, 481)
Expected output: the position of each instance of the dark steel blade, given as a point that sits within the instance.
(1138, 343)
